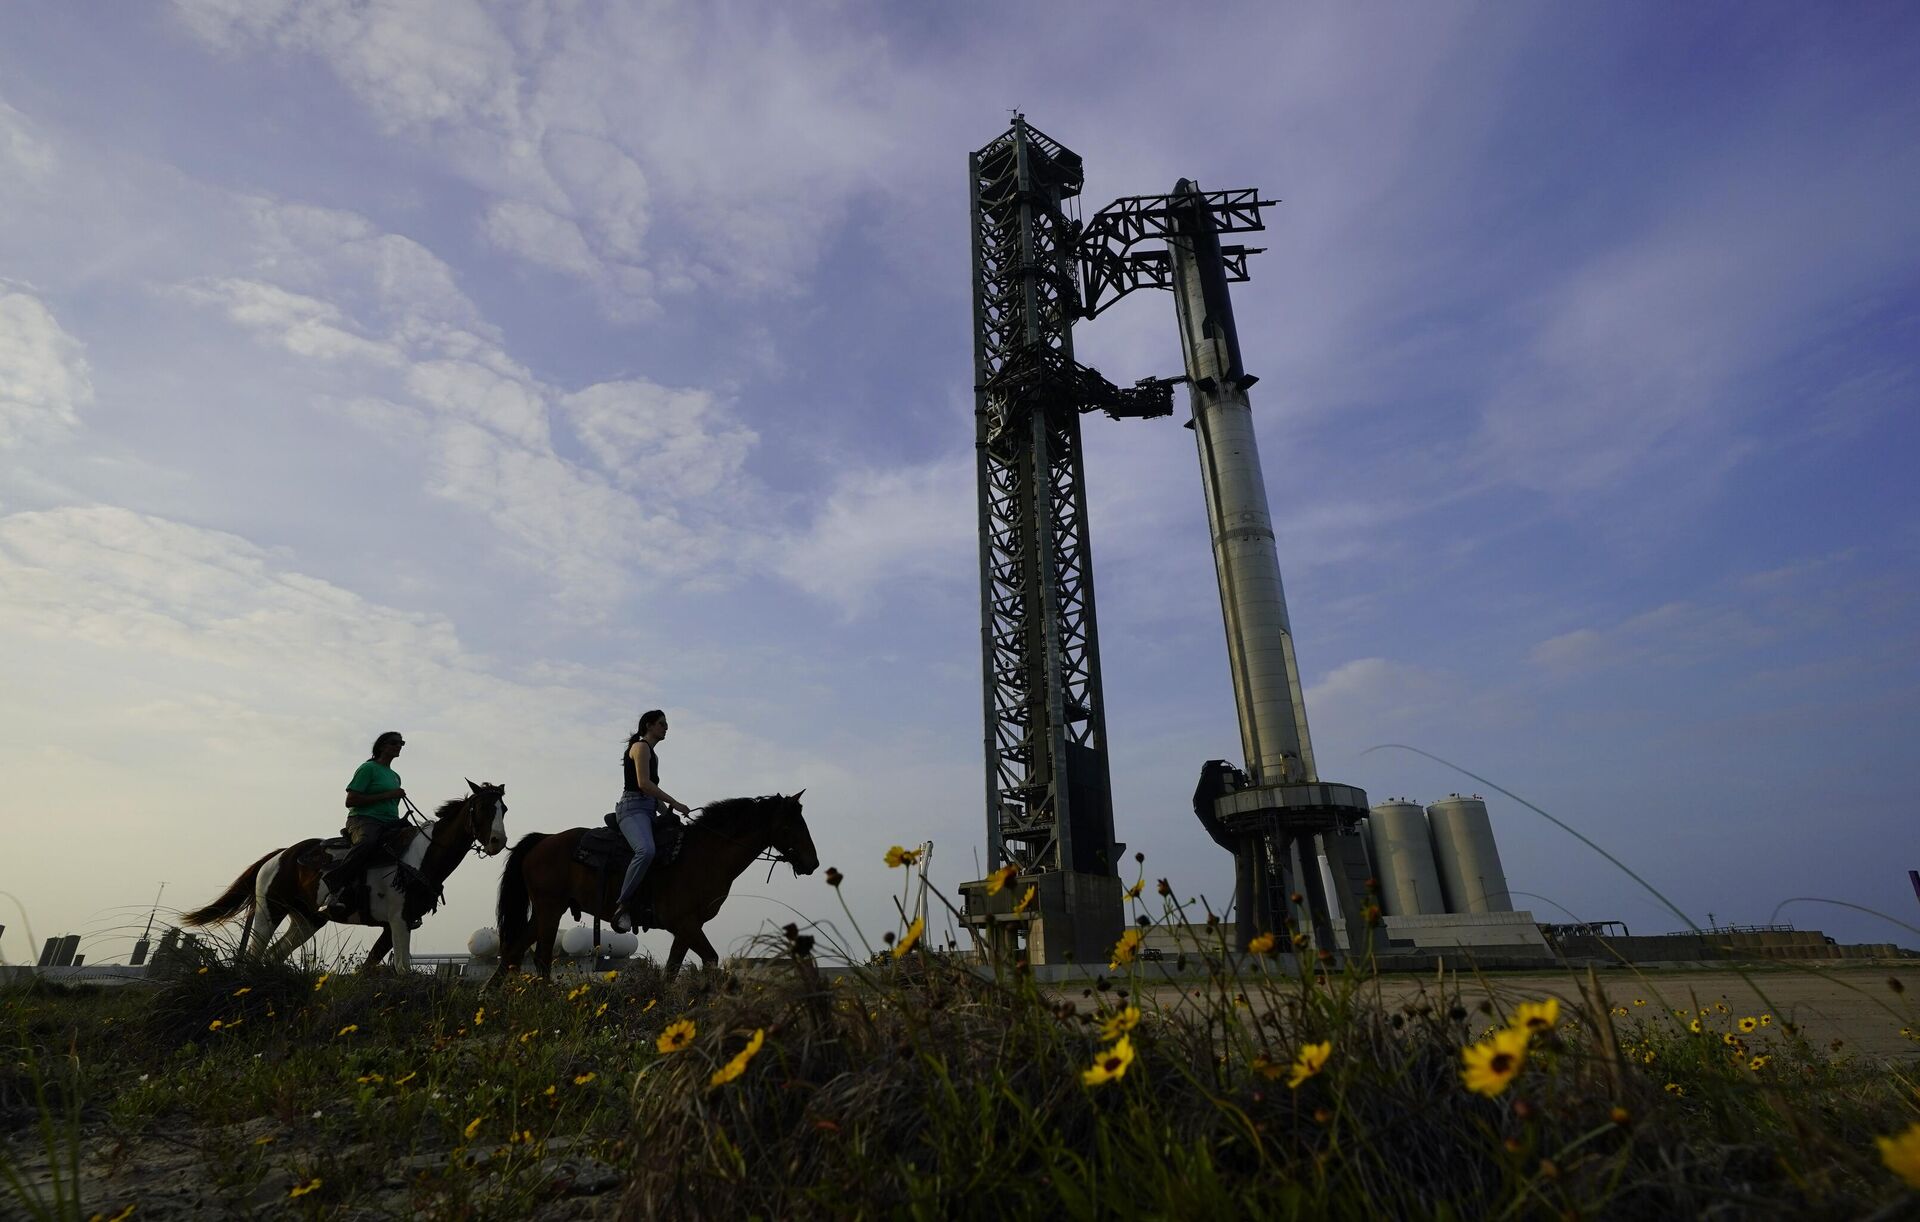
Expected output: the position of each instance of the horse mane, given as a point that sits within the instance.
(726, 815)
(452, 806)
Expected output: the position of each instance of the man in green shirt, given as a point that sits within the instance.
(373, 795)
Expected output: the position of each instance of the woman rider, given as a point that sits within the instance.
(640, 797)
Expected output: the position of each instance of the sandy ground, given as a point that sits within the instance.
(1853, 1004)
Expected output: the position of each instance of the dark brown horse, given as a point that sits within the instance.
(728, 837)
(283, 883)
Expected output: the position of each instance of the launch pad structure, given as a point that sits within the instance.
(1036, 271)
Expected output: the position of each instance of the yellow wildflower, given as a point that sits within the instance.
(268, 1140)
(1261, 945)
(1639, 1001)
(1759, 1063)
(1312, 1059)
(1766, 1020)
(1119, 1022)
(411, 1075)
(1674, 1088)
(1111, 1064)
(1026, 901)
(201, 972)
(1299, 940)
(216, 1024)
(738, 1065)
(1534, 1017)
(551, 1091)
(897, 856)
(651, 1003)
(324, 977)
(529, 1034)
(473, 1126)
(1901, 1154)
(479, 1016)
(997, 881)
(1123, 949)
(301, 1190)
(1748, 1024)
(243, 990)
(1267, 1068)
(677, 1036)
(610, 976)
(584, 1078)
(1488, 1068)
(349, 1029)
(914, 931)
(601, 1010)
(1694, 1026)
(1133, 892)
(575, 993)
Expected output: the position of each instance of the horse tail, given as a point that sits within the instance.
(233, 900)
(514, 912)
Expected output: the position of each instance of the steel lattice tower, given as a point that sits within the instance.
(1049, 796)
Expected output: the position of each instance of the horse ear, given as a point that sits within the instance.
(472, 786)
(796, 797)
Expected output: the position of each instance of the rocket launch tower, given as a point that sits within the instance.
(1036, 270)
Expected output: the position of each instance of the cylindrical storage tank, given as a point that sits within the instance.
(1403, 861)
(1469, 861)
(576, 941)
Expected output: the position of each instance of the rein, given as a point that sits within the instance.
(419, 821)
(769, 853)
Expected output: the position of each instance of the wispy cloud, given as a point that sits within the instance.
(44, 380)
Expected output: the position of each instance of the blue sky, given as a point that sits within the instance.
(494, 372)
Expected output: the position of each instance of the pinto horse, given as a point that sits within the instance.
(728, 837)
(284, 883)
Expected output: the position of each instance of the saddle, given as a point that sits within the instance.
(605, 851)
(421, 894)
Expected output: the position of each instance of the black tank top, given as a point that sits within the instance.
(626, 768)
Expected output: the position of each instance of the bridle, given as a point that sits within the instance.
(476, 842)
(770, 853)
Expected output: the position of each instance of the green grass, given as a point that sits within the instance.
(921, 1089)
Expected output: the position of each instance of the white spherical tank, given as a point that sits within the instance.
(1403, 860)
(484, 945)
(577, 941)
(620, 945)
(1469, 861)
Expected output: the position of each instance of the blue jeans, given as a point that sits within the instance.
(634, 814)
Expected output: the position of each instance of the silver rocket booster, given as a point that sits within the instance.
(1266, 678)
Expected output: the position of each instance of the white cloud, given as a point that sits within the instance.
(641, 150)
(23, 154)
(539, 236)
(1675, 634)
(44, 379)
(305, 326)
(468, 391)
(660, 441)
(899, 529)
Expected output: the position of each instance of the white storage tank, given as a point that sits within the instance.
(484, 945)
(1469, 861)
(1403, 860)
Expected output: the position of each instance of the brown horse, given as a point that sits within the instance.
(728, 837)
(284, 882)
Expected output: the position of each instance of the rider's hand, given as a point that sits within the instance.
(399, 793)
